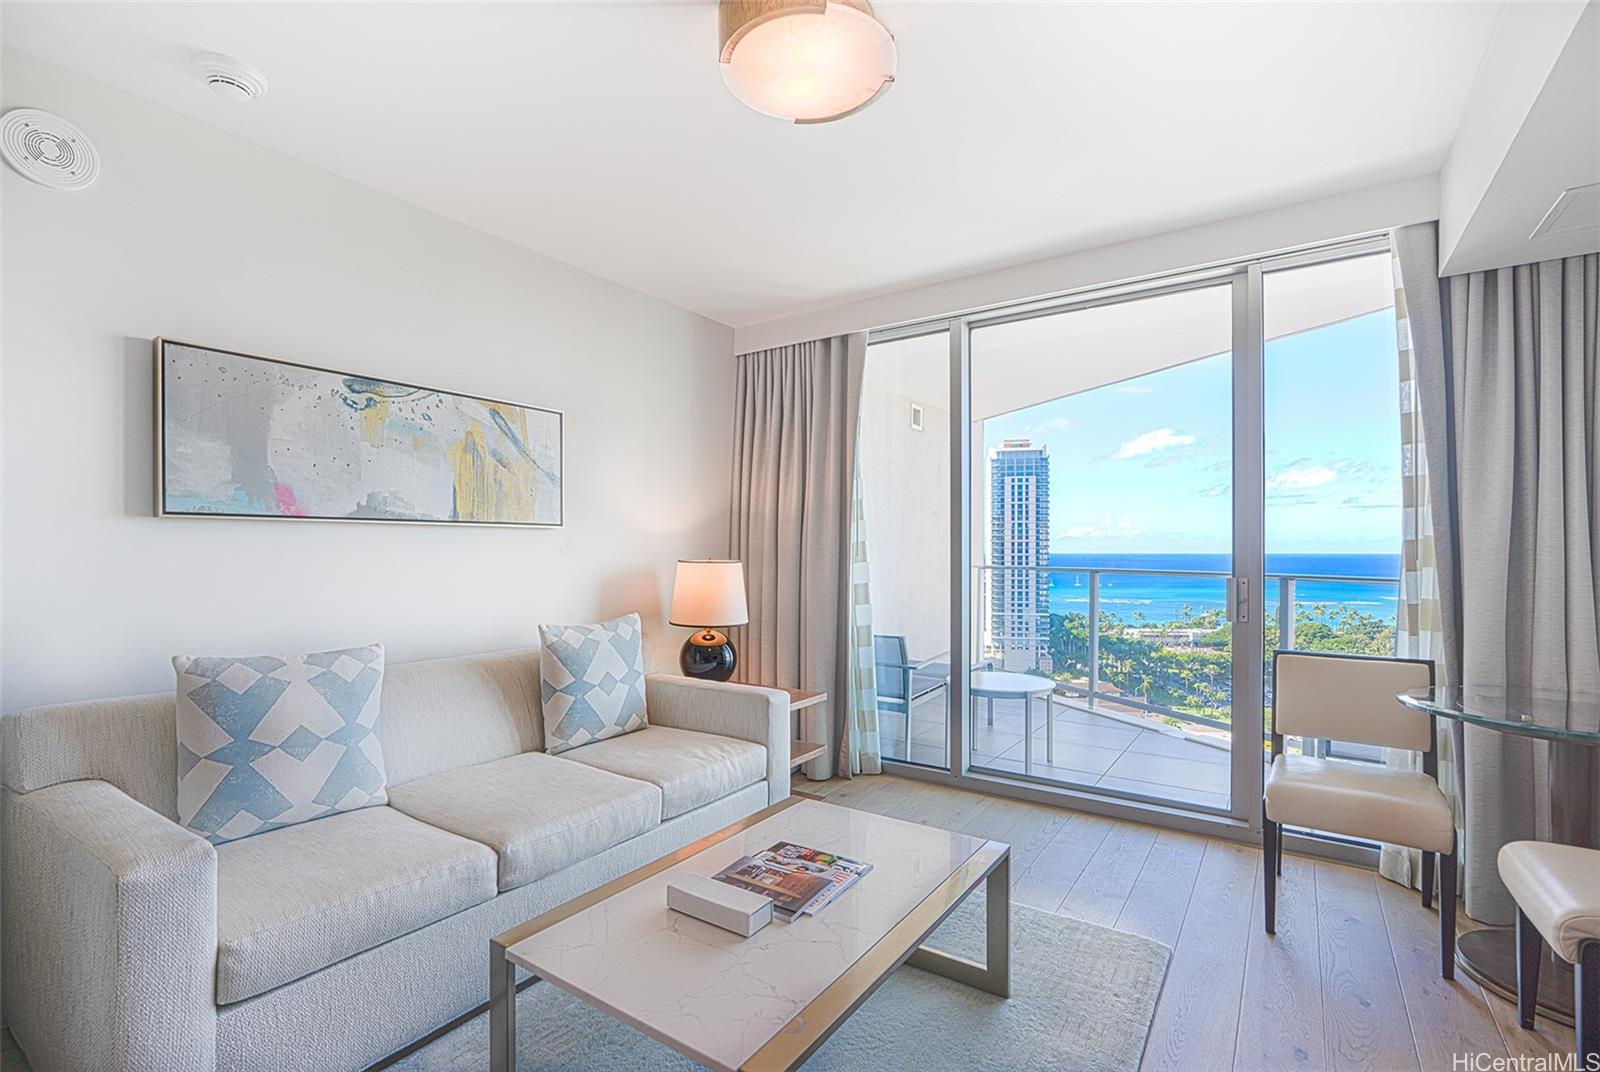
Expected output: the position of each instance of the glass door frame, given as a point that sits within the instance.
(1247, 585)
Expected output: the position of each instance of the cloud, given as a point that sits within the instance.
(1215, 491)
(1150, 442)
(1311, 476)
(1356, 502)
(1054, 424)
(1123, 528)
(1359, 469)
(1189, 459)
(1132, 389)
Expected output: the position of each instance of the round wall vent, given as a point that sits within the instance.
(47, 149)
(230, 79)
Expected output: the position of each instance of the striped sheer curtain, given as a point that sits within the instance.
(1418, 630)
(865, 753)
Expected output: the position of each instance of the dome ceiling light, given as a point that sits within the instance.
(807, 61)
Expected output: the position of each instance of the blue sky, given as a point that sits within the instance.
(1145, 466)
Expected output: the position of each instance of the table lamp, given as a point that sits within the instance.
(708, 596)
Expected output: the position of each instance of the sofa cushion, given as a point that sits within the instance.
(272, 740)
(295, 900)
(691, 768)
(447, 713)
(539, 813)
(591, 681)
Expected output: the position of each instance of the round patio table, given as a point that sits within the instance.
(992, 685)
(1569, 723)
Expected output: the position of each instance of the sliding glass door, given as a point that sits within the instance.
(1103, 548)
(1334, 453)
(1067, 510)
(904, 462)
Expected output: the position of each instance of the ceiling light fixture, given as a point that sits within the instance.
(808, 61)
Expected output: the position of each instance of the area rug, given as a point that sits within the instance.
(1082, 1000)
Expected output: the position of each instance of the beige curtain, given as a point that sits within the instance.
(1509, 385)
(1417, 632)
(795, 415)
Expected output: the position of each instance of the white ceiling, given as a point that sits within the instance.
(599, 133)
(1020, 363)
(1547, 109)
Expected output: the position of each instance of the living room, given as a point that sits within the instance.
(698, 386)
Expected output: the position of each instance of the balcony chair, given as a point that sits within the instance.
(1352, 698)
(1557, 890)
(901, 682)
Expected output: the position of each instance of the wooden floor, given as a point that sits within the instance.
(1351, 980)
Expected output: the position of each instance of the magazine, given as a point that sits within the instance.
(799, 880)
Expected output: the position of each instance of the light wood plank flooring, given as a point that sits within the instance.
(1351, 981)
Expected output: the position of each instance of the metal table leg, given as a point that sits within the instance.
(1027, 735)
(502, 1010)
(994, 974)
(1049, 730)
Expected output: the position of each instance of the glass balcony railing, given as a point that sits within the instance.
(1142, 666)
(1159, 642)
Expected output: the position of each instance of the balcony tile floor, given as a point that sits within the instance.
(1091, 749)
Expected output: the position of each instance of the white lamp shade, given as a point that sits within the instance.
(805, 61)
(709, 592)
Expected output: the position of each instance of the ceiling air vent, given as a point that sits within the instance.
(1575, 210)
(48, 150)
(230, 79)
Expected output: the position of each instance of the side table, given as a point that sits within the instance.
(802, 750)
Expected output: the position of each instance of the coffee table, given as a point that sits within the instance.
(765, 1002)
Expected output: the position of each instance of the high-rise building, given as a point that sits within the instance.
(1019, 536)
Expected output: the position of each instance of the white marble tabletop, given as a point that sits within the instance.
(717, 997)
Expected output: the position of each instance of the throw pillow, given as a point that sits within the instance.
(274, 740)
(591, 681)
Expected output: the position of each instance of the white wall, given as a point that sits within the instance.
(199, 235)
(1323, 220)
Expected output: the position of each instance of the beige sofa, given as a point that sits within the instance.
(133, 943)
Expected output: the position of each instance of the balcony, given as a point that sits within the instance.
(1141, 708)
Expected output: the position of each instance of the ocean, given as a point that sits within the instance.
(1161, 597)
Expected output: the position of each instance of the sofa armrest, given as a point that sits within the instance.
(746, 712)
(111, 932)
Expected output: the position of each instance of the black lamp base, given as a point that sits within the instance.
(708, 655)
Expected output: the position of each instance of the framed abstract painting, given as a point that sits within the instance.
(253, 437)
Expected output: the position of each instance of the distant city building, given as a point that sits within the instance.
(1019, 535)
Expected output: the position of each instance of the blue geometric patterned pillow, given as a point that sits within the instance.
(591, 681)
(274, 740)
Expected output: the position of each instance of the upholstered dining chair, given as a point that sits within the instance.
(1557, 890)
(1352, 698)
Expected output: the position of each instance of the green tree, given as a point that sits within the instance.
(1185, 664)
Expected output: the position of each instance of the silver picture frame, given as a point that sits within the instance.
(163, 499)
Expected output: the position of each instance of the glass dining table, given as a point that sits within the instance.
(1569, 724)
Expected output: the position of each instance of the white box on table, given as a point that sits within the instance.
(740, 911)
